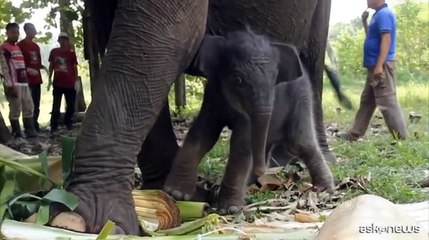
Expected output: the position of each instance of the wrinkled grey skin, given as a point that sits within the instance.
(134, 83)
(303, 24)
(261, 92)
(161, 39)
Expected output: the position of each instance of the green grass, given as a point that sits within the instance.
(392, 166)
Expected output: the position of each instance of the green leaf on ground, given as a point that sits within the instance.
(7, 191)
(61, 196)
(43, 214)
(106, 231)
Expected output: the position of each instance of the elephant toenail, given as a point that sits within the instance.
(233, 209)
(177, 194)
(187, 197)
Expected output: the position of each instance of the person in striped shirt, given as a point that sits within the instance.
(16, 84)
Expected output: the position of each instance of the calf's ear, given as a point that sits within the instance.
(289, 64)
(207, 56)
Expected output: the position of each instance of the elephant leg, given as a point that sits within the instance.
(150, 44)
(301, 142)
(232, 190)
(158, 151)
(313, 56)
(320, 173)
(281, 156)
(204, 133)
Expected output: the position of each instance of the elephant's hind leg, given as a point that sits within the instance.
(158, 152)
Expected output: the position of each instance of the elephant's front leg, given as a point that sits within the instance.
(150, 45)
(232, 190)
(182, 179)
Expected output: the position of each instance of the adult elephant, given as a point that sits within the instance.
(303, 24)
(149, 44)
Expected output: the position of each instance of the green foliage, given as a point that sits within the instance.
(412, 43)
(18, 205)
(194, 97)
(10, 13)
(412, 38)
(349, 50)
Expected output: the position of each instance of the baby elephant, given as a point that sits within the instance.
(260, 90)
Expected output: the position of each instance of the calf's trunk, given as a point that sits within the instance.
(260, 125)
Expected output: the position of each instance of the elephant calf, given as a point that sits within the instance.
(260, 90)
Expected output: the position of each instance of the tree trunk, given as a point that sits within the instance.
(90, 45)
(5, 134)
(66, 25)
(161, 38)
(180, 91)
(80, 104)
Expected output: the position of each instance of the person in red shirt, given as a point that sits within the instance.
(63, 64)
(16, 84)
(33, 64)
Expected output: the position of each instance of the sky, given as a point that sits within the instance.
(341, 11)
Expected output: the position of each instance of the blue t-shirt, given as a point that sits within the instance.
(382, 21)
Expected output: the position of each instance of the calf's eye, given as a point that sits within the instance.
(237, 79)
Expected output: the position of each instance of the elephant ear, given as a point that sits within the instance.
(289, 63)
(207, 56)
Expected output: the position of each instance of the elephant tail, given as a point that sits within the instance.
(335, 82)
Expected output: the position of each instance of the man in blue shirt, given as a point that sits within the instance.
(380, 86)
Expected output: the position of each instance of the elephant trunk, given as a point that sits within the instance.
(260, 124)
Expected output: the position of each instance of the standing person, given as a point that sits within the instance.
(380, 86)
(63, 64)
(16, 84)
(33, 64)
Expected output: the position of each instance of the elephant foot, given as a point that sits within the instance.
(96, 208)
(230, 203)
(324, 182)
(180, 187)
(329, 156)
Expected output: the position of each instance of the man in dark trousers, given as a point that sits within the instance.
(63, 64)
(16, 84)
(380, 86)
(33, 64)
